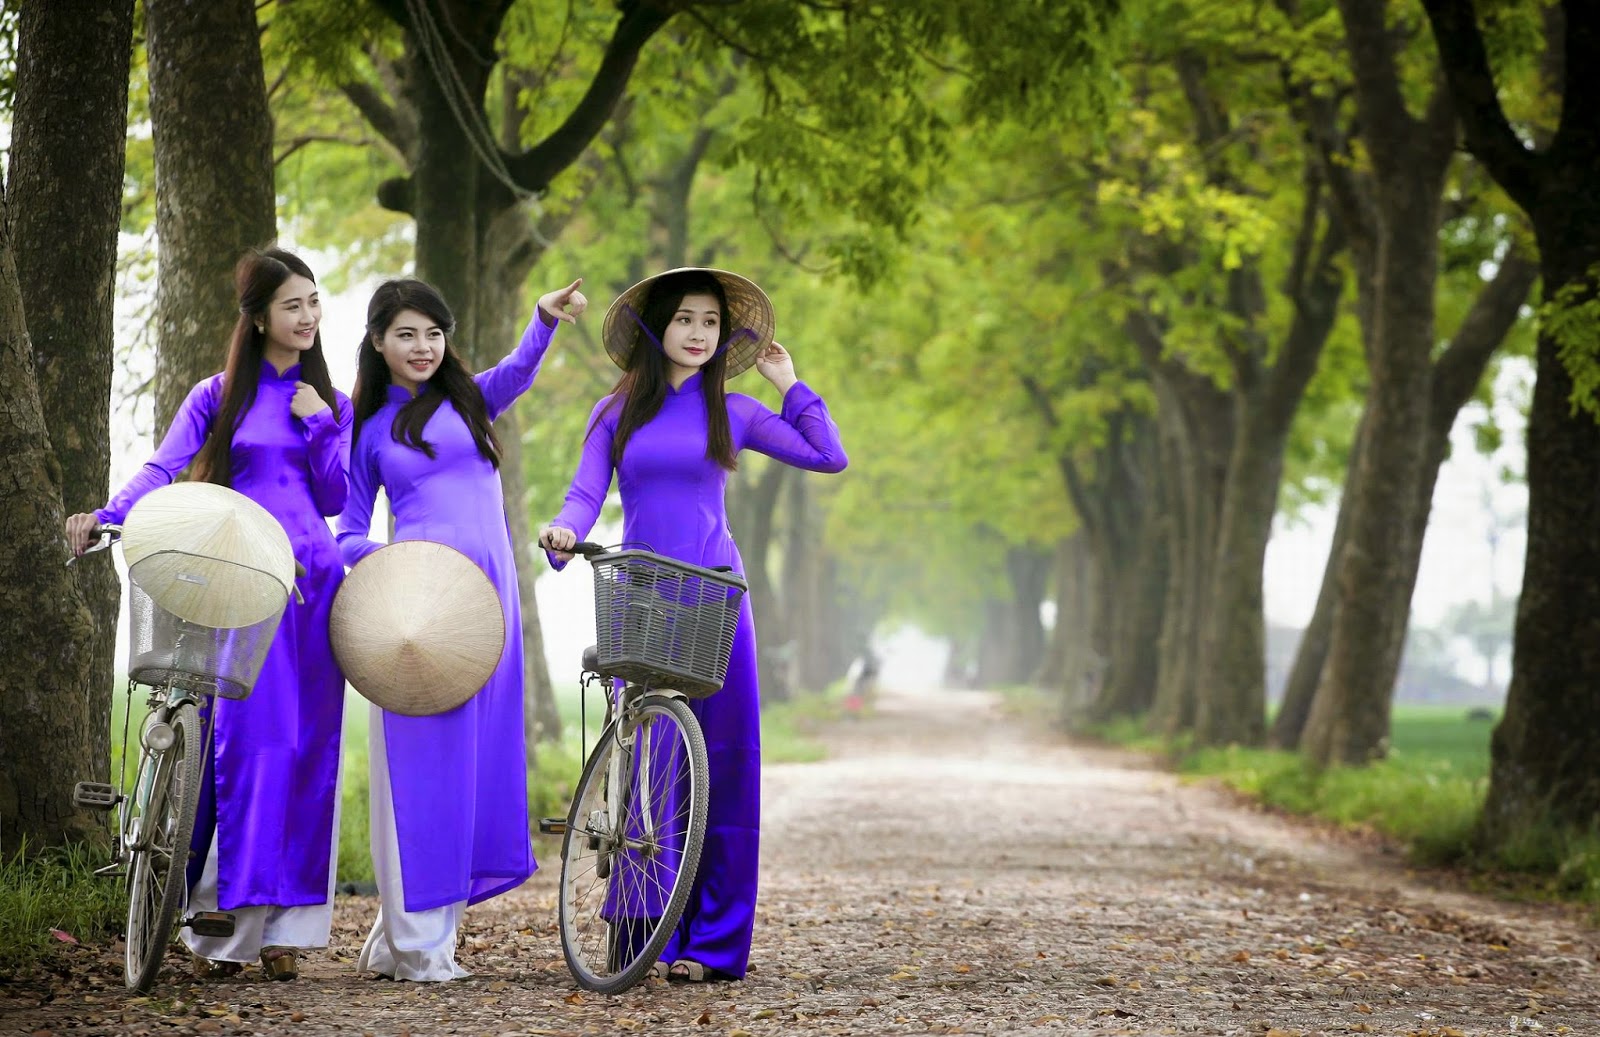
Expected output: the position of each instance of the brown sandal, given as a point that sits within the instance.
(205, 968)
(280, 962)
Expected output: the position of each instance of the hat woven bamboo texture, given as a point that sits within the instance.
(417, 628)
(209, 555)
(748, 309)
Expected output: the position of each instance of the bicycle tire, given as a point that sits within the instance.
(607, 949)
(157, 883)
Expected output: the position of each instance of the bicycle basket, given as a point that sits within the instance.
(664, 623)
(164, 646)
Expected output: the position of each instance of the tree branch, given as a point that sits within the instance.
(1384, 116)
(1488, 133)
(387, 119)
(1457, 371)
(535, 168)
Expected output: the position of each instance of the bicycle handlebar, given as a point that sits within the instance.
(104, 536)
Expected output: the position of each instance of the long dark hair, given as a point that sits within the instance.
(452, 381)
(643, 386)
(257, 277)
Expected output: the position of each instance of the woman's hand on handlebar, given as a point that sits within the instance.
(82, 530)
(558, 541)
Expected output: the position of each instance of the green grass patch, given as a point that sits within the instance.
(1426, 794)
(789, 729)
(56, 889)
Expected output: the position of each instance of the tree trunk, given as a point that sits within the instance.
(66, 188)
(1542, 777)
(1029, 573)
(214, 179)
(1349, 721)
(752, 508)
(1131, 554)
(1196, 430)
(47, 630)
(1073, 661)
(501, 314)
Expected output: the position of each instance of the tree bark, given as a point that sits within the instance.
(1542, 777)
(752, 508)
(66, 188)
(1349, 720)
(47, 630)
(214, 179)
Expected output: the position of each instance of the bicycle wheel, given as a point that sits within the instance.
(633, 841)
(166, 795)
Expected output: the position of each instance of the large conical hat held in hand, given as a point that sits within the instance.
(417, 628)
(208, 555)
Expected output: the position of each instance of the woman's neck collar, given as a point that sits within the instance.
(280, 358)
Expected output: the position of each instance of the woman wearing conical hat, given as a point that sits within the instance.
(272, 427)
(449, 791)
(670, 433)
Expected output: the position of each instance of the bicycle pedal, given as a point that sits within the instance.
(210, 923)
(553, 826)
(94, 795)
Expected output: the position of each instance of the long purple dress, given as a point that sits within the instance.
(458, 779)
(672, 499)
(272, 778)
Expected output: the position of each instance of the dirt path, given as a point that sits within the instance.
(950, 870)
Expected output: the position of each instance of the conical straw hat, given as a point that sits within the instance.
(209, 555)
(749, 311)
(417, 628)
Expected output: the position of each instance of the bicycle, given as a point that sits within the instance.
(182, 664)
(634, 831)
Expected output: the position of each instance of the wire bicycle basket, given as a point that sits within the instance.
(664, 623)
(201, 621)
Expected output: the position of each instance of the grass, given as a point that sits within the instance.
(1426, 795)
(55, 890)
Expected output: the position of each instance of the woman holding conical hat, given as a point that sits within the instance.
(449, 791)
(272, 427)
(670, 433)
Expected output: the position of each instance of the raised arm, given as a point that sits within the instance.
(183, 440)
(328, 452)
(513, 376)
(803, 435)
(355, 521)
(590, 484)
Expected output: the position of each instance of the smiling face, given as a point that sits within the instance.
(290, 323)
(690, 340)
(413, 347)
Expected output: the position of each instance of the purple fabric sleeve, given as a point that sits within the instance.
(183, 440)
(355, 521)
(327, 435)
(513, 376)
(804, 435)
(587, 494)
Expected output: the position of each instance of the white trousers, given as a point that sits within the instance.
(264, 925)
(415, 945)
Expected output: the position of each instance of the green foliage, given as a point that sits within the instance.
(1571, 319)
(56, 889)
(8, 61)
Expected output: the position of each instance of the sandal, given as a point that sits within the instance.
(280, 962)
(660, 970)
(205, 968)
(685, 971)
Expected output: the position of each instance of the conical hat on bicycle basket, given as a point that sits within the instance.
(417, 628)
(208, 555)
